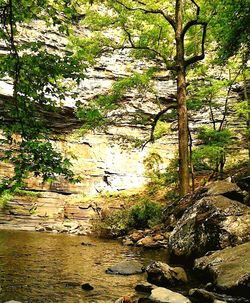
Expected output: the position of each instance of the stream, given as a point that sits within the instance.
(40, 267)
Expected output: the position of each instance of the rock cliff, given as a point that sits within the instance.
(106, 160)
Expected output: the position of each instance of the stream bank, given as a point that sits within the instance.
(210, 228)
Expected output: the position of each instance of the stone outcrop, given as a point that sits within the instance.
(211, 223)
(229, 269)
(46, 211)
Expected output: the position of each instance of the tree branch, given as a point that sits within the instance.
(149, 11)
(202, 55)
(169, 64)
(138, 1)
(197, 8)
(154, 123)
(227, 99)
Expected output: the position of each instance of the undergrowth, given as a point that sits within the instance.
(144, 214)
(7, 195)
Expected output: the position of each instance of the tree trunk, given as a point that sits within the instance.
(182, 102)
(248, 110)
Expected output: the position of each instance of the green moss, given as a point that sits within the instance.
(5, 197)
(28, 193)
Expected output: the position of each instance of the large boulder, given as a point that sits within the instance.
(226, 189)
(126, 268)
(161, 294)
(161, 274)
(211, 223)
(229, 269)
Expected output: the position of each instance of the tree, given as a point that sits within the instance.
(171, 34)
(37, 76)
(230, 29)
(216, 139)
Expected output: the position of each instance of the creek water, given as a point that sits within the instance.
(39, 268)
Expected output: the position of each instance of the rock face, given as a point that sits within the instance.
(106, 161)
(229, 269)
(162, 274)
(161, 294)
(126, 268)
(211, 223)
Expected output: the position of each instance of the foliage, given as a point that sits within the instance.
(159, 176)
(212, 137)
(213, 149)
(40, 82)
(145, 214)
(154, 31)
(112, 224)
(26, 193)
(145, 29)
(5, 197)
(230, 27)
(161, 129)
(38, 158)
(100, 111)
(214, 94)
(142, 215)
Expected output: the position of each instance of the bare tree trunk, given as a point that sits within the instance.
(182, 102)
(248, 108)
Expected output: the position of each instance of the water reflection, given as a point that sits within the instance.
(51, 268)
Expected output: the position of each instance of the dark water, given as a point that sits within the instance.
(37, 267)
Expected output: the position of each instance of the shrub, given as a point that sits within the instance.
(112, 225)
(145, 214)
(5, 197)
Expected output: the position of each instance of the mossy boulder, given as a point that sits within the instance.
(211, 223)
(228, 269)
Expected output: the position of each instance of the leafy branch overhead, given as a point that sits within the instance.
(40, 80)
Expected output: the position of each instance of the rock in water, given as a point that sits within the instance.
(126, 268)
(161, 294)
(229, 269)
(201, 295)
(87, 286)
(212, 223)
(162, 274)
(145, 287)
(125, 299)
